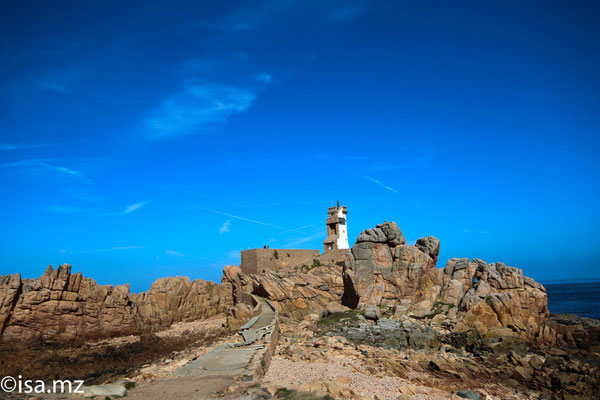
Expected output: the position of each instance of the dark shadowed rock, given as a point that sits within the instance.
(572, 319)
(468, 394)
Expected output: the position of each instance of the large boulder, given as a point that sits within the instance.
(388, 232)
(429, 245)
(382, 270)
(372, 313)
(494, 295)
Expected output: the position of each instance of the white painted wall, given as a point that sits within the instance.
(342, 242)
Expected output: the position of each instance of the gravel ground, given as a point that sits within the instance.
(346, 373)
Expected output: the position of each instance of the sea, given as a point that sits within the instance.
(579, 298)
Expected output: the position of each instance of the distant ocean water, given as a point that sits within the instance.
(579, 298)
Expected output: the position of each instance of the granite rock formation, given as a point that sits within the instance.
(295, 293)
(61, 307)
(379, 270)
(469, 294)
(382, 270)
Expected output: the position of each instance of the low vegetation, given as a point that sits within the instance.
(305, 268)
(338, 319)
(289, 394)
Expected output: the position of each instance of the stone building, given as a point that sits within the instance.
(337, 229)
(256, 261)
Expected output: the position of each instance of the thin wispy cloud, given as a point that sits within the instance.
(55, 46)
(196, 106)
(263, 77)
(65, 170)
(475, 231)
(305, 239)
(60, 209)
(378, 182)
(225, 228)
(241, 218)
(197, 194)
(12, 146)
(342, 157)
(173, 253)
(248, 18)
(299, 228)
(349, 11)
(45, 165)
(9, 147)
(117, 248)
(234, 255)
(201, 65)
(134, 207)
(64, 81)
(56, 86)
(67, 209)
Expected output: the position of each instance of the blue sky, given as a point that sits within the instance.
(150, 139)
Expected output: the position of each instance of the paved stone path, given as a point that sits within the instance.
(220, 367)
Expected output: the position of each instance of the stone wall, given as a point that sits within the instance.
(256, 261)
(334, 257)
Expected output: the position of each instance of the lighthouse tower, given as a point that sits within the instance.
(337, 229)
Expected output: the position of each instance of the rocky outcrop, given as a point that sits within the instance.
(391, 334)
(382, 270)
(295, 293)
(576, 332)
(61, 307)
(493, 295)
(467, 294)
(416, 353)
(171, 300)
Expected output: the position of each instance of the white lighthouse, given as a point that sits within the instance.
(337, 229)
